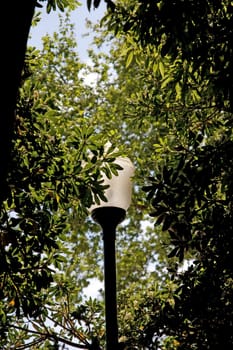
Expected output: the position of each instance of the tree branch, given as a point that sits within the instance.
(47, 335)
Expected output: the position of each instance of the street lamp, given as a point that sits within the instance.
(108, 215)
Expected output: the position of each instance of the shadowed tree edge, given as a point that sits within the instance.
(14, 42)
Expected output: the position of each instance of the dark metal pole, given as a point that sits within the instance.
(109, 218)
(110, 289)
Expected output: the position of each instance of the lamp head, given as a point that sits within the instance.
(118, 193)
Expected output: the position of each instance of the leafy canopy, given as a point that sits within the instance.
(175, 276)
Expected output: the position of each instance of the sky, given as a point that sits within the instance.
(49, 24)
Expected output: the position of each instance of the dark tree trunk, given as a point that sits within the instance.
(16, 18)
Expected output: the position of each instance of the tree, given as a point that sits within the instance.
(14, 47)
(60, 100)
(54, 173)
(191, 189)
(173, 130)
(14, 44)
(199, 33)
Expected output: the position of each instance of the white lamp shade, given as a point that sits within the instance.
(119, 192)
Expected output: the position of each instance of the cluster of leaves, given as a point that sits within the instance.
(72, 4)
(193, 201)
(58, 4)
(198, 32)
(52, 175)
(172, 125)
(183, 110)
(95, 4)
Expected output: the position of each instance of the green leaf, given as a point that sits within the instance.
(129, 59)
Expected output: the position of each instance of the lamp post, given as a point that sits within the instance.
(108, 215)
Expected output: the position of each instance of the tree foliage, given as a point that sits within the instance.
(190, 186)
(190, 152)
(53, 178)
(199, 33)
(162, 109)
